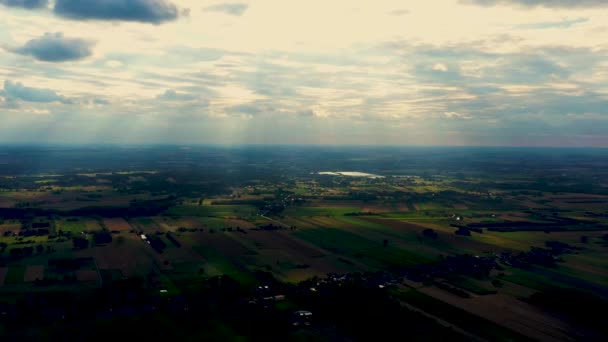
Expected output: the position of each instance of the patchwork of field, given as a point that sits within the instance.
(315, 242)
(305, 227)
(126, 253)
(292, 258)
(509, 312)
(67, 198)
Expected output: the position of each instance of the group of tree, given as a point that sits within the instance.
(464, 231)
(25, 251)
(430, 233)
(157, 243)
(173, 240)
(34, 232)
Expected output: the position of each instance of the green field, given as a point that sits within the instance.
(217, 264)
(213, 210)
(15, 275)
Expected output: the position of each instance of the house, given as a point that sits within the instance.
(301, 317)
(275, 298)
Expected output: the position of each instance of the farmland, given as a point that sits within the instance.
(455, 235)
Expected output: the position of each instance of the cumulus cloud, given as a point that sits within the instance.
(17, 91)
(54, 47)
(440, 67)
(544, 3)
(172, 95)
(236, 9)
(147, 11)
(28, 4)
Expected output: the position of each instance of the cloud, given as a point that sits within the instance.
(236, 9)
(17, 91)
(524, 69)
(54, 47)
(543, 3)
(477, 65)
(399, 12)
(455, 115)
(114, 64)
(440, 67)
(553, 24)
(248, 109)
(101, 102)
(306, 113)
(27, 4)
(485, 75)
(6, 103)
(147, 11)
(438, 72)
(172, 95)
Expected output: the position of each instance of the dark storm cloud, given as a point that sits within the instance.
(17, 91)
(236, 9)
(28, 4)
(147, 11)
(544, 3)
(54, 47)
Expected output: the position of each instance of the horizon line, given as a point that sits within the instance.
(186, 145)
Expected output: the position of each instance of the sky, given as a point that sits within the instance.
(381, 72)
